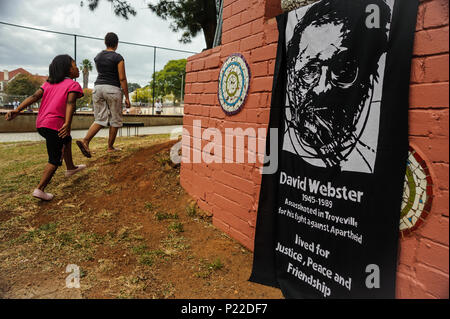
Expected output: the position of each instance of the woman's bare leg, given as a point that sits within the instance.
(112, 137)
(93, 130)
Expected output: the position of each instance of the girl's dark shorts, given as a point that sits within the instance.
(54, 144)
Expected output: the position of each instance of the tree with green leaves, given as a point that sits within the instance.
(169, 80)
(133, 86)
(85, 67)
(121, 8)
(190, 16)
(22, 85)
(142, 95)
(86, 100)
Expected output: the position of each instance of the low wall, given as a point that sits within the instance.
(26, 122)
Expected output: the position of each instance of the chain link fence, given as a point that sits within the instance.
(143, 62)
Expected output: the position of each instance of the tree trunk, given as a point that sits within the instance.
(209, 30)
(209, 22)
(85, 79)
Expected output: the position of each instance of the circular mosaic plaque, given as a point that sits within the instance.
(417, 194)
(234, 82)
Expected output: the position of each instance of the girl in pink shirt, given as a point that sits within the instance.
(59, 95)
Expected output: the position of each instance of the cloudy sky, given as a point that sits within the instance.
(34, 50)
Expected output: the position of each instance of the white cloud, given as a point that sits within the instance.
(34, 50)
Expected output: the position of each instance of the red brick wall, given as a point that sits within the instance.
(423, 266)
(231, 191)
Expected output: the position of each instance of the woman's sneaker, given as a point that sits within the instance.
(42, 195)
(76, 170)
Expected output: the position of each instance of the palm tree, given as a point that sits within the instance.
(86, 66)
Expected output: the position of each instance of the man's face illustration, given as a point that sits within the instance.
(325, 94)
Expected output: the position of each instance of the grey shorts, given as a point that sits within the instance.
(107, 101)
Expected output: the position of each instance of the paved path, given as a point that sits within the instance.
(34, 136)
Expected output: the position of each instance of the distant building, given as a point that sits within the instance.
(6, 76)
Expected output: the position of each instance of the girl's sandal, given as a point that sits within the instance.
(114, 150)
(42, 195)
(74, 171)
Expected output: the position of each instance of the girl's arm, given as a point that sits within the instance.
(70, 108)
(123, 81)
(26, 103)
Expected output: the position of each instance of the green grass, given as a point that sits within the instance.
(139, 250)
(149, 206)
(176, 227)
(146, 257)
(146, 260)
(191, 211)
(215, 265)
(164, 158)
(66, 238)
(174, 243)
(206, 268)
(40, 234)
(164, 215)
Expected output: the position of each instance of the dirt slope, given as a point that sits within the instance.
(132, 230)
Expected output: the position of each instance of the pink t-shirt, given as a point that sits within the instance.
(52, 112)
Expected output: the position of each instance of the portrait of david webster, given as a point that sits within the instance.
(335, 69)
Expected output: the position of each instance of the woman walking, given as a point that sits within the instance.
(111, 83)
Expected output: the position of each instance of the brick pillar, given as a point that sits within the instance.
(423, 264)
(230, 191)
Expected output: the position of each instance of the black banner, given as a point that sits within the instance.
(328, 219)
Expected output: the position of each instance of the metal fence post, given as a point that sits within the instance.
(75, 47)
(182, 87)
(154, 79)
